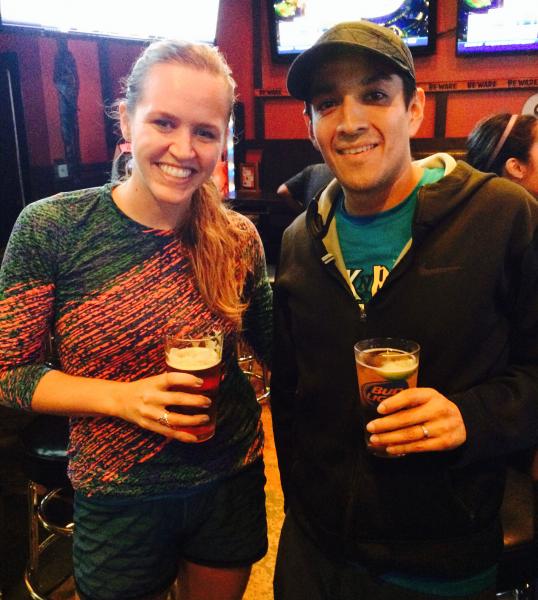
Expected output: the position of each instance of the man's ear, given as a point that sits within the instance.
(514, 169)
(416, 111)
(125, 122)
(308, 121)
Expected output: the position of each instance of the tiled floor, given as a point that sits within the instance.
(260, 586)
(13, 532)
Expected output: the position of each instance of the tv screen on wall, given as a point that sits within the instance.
(296, 24)
(497, 27)
(136, 20)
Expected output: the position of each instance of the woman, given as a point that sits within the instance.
(104, 270)
(507, 145)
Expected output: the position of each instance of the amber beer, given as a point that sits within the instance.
(201, 357)
(385, 366)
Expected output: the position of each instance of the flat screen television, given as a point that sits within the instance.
(496, 27)
(132, 21)
(296, 24)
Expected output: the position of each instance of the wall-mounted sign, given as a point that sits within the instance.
(474, 85)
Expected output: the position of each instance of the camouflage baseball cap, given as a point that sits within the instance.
(362, 36)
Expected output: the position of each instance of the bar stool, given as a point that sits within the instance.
(518, 567)
(254, 371)
(50, 501)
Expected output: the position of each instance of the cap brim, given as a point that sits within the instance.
(303, 67)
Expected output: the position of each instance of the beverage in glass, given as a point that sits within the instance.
(198, 352)
(385, 366)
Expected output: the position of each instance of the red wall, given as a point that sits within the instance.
(27, 50)
(36, 67)
(235, 37)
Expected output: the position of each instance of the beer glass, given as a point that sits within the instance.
(196, 350)
(385, 366)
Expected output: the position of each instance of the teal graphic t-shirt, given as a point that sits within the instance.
(371, 245)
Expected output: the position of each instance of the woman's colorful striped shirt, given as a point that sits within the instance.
(105, 286)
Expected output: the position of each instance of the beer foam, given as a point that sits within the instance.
(195, 358)
(391, 363)
(398, 367)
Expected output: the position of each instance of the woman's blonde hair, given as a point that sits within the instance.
(214, 238)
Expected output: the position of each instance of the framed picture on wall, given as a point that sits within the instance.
(249, 177)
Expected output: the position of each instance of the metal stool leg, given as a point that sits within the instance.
(33, 541)
(248, 364)
(37, 517)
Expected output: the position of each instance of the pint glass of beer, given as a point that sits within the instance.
(385, 366)
(198, 351)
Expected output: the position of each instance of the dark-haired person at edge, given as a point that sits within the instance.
(305, 185)
(507, 145)
(104, 270)
(432, 251)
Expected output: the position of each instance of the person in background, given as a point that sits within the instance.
(433, 251)
(304, 186)
(507, 145)
(104, 270)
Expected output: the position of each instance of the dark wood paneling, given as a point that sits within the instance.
(14, 180)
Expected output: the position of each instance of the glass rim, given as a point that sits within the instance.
(194, 338)
(393, 343)
(175, 331)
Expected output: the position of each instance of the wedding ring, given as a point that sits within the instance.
(425, 431)
(163, 419)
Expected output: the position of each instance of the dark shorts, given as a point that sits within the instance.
(130, 549)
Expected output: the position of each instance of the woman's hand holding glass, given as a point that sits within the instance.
(145, 402)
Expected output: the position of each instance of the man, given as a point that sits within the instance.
(432, 251)
(304, 186)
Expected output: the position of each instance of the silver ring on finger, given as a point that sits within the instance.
(163, 419)
(425, 432)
